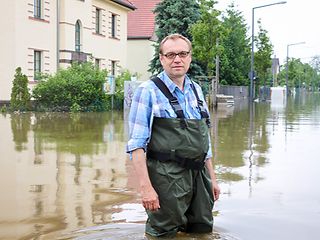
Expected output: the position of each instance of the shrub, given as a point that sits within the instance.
(77, 88)
(4, 109)
(20, 96)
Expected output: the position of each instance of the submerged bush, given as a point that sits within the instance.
(20, 96)
(77, 88)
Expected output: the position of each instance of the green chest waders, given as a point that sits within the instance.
(175, 158)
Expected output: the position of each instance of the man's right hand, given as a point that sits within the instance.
(150, 199)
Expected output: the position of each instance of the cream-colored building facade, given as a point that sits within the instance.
(44, 35)
(140, 53)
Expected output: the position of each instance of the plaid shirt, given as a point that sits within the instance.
(149, 102)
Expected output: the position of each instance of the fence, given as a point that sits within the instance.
(235, 91)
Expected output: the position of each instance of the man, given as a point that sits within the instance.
(170, 146)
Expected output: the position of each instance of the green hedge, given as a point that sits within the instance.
(77, 88)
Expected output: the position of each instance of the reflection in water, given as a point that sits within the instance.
(67, 175)
(61, 172)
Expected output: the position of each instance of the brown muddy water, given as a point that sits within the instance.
(67, 176)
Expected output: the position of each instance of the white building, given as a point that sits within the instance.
(43, 35)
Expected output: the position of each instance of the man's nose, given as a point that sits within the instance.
(177, 58)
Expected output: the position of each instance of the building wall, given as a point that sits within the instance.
(101, 46)
(23, 34)
(7, 49)
(140, 53)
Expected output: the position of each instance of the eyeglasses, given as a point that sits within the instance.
(172, 55)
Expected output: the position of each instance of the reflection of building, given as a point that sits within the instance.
(28, 185)
(40, 36)
(49, 187)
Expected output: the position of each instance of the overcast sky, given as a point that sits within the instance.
(293, 22)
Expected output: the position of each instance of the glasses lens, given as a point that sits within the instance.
(170, 55)
(183, 54)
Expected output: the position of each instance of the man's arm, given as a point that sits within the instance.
(215, 187)
(150, 199)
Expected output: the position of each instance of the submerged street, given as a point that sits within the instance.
(67, 176)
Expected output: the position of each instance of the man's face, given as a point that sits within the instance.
(176, 66)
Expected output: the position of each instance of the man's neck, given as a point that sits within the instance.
(179, 82)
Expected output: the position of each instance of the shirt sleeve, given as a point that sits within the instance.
(139, 120)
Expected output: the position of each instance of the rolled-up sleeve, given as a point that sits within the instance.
(139, 120)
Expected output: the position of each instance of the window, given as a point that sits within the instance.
(37, 64)
(113, 68)
(37, 9)
(97, 62)
(113, 25)
(78, 37)
(98, 20)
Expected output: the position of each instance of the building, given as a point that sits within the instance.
(44, 35)
(141, 37)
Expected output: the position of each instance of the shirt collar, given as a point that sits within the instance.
(171, 85)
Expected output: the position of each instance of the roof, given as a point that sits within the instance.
(125, 3)
(141, 22)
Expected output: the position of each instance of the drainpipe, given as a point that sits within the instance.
(58, 34)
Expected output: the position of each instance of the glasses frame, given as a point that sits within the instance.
(173, 55)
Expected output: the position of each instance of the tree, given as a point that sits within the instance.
(235, 58)
(205, 33)
(300, 75)
(174, 16)
(263, 62)
(315, 63)
(20, 96)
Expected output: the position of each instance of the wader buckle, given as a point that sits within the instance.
(183, 123)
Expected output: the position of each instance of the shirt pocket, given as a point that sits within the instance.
(193, 111)
(166, 110)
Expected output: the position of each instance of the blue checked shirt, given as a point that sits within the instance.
(148, 102)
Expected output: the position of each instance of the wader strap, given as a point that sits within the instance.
(203, 111)
(172, 99)
(187, 163)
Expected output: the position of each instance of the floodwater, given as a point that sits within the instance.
(66, 176)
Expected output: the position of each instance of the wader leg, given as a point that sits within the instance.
(200, 218)
(174, 187)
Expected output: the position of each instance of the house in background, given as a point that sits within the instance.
(44, 35)
(141, 37)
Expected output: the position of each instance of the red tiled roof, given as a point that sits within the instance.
(141, 22)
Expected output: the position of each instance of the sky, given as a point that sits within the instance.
(296, 21)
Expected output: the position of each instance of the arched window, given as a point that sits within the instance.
(78, 36)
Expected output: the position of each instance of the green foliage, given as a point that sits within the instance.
(300, 75)
(4, 109)
(76, 88)
(75, 108)
(174, 16)
(119, 89)
(235, 57)
(20, 96)
(262, 57)
(205, 33)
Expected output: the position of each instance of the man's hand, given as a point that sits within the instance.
(150, 199)
(215, 190)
